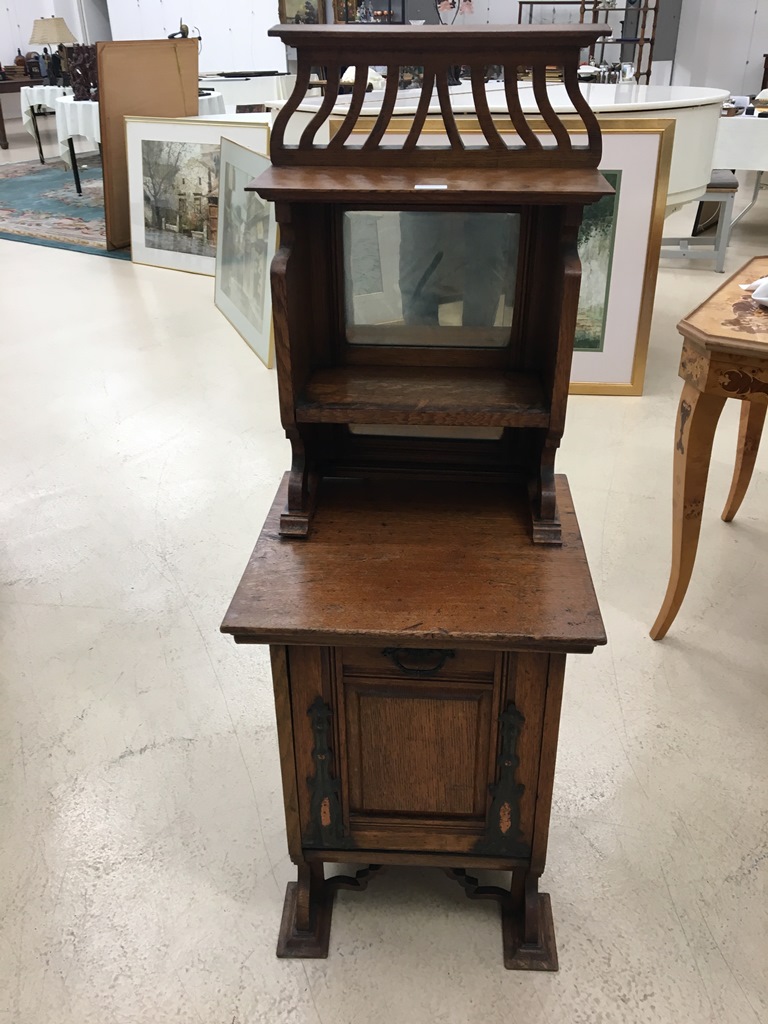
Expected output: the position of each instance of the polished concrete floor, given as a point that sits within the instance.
(142, 846)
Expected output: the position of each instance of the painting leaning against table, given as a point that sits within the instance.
(181, 196)
(597, 237)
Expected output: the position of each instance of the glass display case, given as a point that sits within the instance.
(370, 12)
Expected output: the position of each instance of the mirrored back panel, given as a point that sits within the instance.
(425, 279)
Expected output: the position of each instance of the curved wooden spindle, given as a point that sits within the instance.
(482, 110)
(585, 112)
(387, 107)
(553, 122)
(446, 110)
(355, 106)
(284, 116)
(523, 129)
(307, 139)
(427, 87)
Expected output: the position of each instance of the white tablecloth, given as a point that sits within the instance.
(81, 117)
(39, 96)
(742, 143)
(213, 104)
(76, 117)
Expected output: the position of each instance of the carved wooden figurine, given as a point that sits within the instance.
(425, 304)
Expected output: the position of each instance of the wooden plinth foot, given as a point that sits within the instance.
(292, 525)
(547, 532)
(520, 955)
(313, 943)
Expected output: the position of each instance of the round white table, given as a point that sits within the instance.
(696, 112)
(81, 117)
(742, 144)
(34, 96)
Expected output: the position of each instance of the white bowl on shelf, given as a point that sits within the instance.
(414, 22)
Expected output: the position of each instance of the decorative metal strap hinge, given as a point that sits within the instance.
(503, 837)
(326, 827)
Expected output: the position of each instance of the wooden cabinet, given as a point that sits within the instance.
(425, 303)
(418, 661)
(414, 736)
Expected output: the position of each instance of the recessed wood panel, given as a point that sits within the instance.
(417, 748)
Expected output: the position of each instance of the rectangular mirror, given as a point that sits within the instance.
(430, 279)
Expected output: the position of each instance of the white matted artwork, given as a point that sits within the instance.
(246, 244)
(619, 249)
(173, 185)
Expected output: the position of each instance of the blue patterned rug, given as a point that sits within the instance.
(39, 204)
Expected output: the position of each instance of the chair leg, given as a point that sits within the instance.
(750, 432)
(723, 234)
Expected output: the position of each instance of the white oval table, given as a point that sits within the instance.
(35, 96)
(696, 112)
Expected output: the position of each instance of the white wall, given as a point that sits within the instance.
(16, 20)
(721, 44)
(96, 22)
(234, 31)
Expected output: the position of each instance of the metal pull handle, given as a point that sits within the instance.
(438, 657)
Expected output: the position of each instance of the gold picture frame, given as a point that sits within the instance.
(639, 285)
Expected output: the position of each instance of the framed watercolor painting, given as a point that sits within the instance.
(619, 243)
(174, 167)
(246, 244)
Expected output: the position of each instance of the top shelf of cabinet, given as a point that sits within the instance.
(418, 186)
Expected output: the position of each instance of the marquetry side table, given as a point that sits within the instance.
(725, 355)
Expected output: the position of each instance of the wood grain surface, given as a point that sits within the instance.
(423, 395)
(397, 185)
(730, 319)
(417, 563)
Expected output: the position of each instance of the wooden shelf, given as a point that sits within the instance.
(423, 396)
(405, 186)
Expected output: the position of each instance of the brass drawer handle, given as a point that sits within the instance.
(437, 656)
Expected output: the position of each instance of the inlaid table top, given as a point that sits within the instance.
(731, 319)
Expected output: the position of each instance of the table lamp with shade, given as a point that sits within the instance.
(51, 32)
